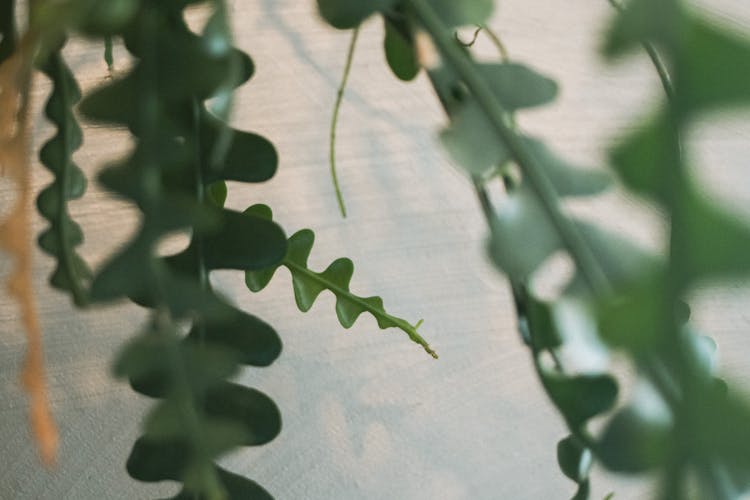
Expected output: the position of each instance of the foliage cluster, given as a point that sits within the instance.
(185, 152)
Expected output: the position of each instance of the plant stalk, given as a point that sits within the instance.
(571, 237)
(335, 119)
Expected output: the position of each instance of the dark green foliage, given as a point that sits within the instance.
(60, 239)
(581, 397)
(632, 444)
(184, 154)
(638, 300)
(399, 48)
(176, 177)
(102, 18)
(7, 28)
(345, 14)
(463, 13)
(575, 461)
(235, 485)
(710, 71)
(309, 284)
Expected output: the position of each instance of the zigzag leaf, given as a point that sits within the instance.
(175, 176)
(309, 284)
(60, 239)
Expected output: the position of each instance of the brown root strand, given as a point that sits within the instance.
(15, 238)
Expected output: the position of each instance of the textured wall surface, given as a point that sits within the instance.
(367, 415)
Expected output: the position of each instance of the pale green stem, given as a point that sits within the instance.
(335, 119)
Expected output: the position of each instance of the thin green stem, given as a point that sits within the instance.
(495, 38)
(335, 119)
(473, 38)
(568, 232)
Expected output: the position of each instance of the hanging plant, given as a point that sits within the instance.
(196, 340)
(175, 175)
(637, 300)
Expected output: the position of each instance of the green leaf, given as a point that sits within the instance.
(104, 18)
(258, 280)
(717, 242)
(462, 13)
(568, 179)
(309, 284)
(521, 235)
(63, 279)
(115, 102)
(574, 459)
(345, 14)
(166, 421)
(581, 397)
(236, 486)
(515, 85)
(645, 158)
(71, 273)
(710, 53)
(253, 410)
(8, 33)
(645, 20)
(522, 239)
(216, 193)
(633, 444)
(472, 142)
(255, 341)
(584, 491)
(399, 50)
(705, 52)
(623, 262)
(719, 429)
(153, 461)
(148, 360)
(180, 151)
(471, 138)
(249, 157)
(634, 318)
(544, 332)
(239, 241)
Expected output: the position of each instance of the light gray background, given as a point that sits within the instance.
(367, 415)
